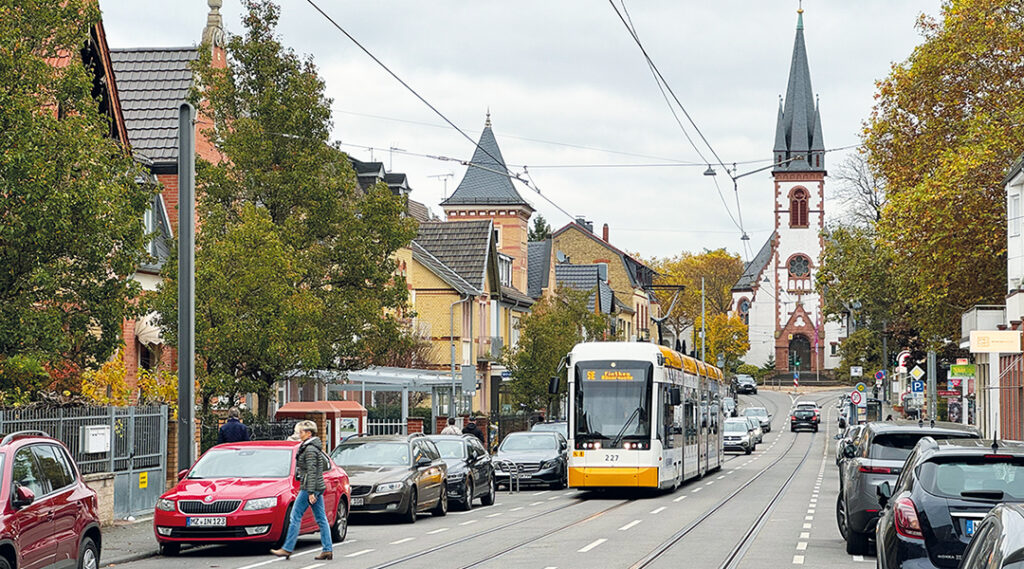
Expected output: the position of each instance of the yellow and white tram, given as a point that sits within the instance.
(641, 415)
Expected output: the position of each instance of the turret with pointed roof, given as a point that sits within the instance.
(798, 129)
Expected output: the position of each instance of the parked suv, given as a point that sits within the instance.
(47, 514)
(396, 474)
(997, 542)
(876, 456)
(946, 489)
(746, 384)
(470, 472)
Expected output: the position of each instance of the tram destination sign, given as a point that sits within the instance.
(610, 375)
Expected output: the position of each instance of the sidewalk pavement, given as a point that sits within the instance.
(128, 541)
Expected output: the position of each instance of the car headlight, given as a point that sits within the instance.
(455, 476)
(550, 463)
(165, 505)
(387, 487)
(260, 503)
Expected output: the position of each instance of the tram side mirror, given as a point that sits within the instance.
(674, 396)
(553, 385)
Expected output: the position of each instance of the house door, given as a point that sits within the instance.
(799, 353)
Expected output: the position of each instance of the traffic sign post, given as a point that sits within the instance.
(856, 371)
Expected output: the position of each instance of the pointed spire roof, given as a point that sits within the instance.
(486, 181)
(798, 131)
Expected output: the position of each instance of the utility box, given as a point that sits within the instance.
(95, 438)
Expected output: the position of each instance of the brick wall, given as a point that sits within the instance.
(414, 425)
(103, 484)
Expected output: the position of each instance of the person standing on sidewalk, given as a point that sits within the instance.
(309, 469)
(451, 429)
(234, 430)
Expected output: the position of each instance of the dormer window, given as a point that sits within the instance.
(798, 208)
(505, 269)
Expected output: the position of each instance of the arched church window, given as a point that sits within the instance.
(744, 309)
(799, 266)
(798, 208)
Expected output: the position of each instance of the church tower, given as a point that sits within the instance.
(486, 192)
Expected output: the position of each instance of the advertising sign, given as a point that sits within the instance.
(961, 371)
(995, 341)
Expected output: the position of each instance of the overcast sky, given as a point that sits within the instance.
(566, 86)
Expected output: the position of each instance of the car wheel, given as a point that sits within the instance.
(815, 429)
(492, 490)
(410, 513)
(340, 528)
(467, 500)
(441, 509)
(841, 515)
(563, 481)
(170, 549)
(4, 563)
(284, 527)
(88, 554)
(749, 450)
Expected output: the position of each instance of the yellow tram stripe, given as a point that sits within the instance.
(590, 477)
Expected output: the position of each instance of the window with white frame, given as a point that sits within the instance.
(1013, 215)
(505, 269)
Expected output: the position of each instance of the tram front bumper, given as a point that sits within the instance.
(613, 476)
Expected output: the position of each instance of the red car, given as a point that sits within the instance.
(48, 516)
(243, 492)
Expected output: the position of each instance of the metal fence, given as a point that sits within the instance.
(386, 427)
(137, 446)
(261, 431)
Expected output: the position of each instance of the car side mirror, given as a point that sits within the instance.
(849, 451)
(838, 436)
(674, 396)
(884, 492)
(181, 474)
(842, 423)
(23, 496)
(423, 461)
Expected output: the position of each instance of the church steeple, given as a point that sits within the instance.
(798, 130)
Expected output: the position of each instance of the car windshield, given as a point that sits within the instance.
(551, 428)
(736, 426)
(451, 448)
(756, 412)
(372, 453)
(744, 379)
(807, 405)
(753, 422)
(803, 413)
(245, 462)
(897, 446)
(986, 478)
(519, 442)
(612, 400)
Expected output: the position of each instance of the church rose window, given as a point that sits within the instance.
(798, 208)
(799, 266)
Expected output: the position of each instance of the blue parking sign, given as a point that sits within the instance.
(917, 386)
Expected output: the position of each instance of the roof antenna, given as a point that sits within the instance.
(920, 422)
(995, 442)
(933, 423)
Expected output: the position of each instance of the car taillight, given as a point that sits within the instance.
(793, 418)
(907, 523)
(875, 469)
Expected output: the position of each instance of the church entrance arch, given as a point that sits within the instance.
(799, 353)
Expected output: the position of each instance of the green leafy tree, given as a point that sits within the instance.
(726, 337)
(720, 270)
(556, 324)
(294, 264)
(540, 230)
(71, 209)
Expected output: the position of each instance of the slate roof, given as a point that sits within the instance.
(798, 130)
(443, 272)
(538, 266)
(153, 82)
(586, 277)
(486, 181)
(513, 296)
(640, 275)
(462, 246)
(752, 270)
(417, 211)
(623, 307)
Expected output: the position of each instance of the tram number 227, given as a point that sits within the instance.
(611, 458)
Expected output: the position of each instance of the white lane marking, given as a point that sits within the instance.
(553, 498)
(710, 482)
(312, 566)
(798, 560)
(401, 541)
(807, 526)
(801, 546)
(810, 511)
(591, 545)
(696, 490)
(809, 518)
(439, 530)
(860, 559)
(358, 553)
(516, 509)
(658, 510)
(541, 493)
(261, 563)
(467, 523)
(680, 498)
(536, 503)
(805, 535)
(493, 515)
(723, 476)
(629, 525)
(460, 513)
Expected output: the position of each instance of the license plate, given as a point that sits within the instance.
(969, 527)
(206, 522)
(357, 501)
(525, 476)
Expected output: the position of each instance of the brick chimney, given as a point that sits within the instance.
(604, 233)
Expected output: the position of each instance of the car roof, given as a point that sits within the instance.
(26, 437)
(534, 433)
(941, 427)
(382, 438)
(737, 419)
(265, 444)
(463, 437)
(798, 403)
(971, 447)
(550, 423)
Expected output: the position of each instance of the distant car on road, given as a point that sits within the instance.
(937, 505)
(997, 542)
(803, 418)
(43, 490)
(394, 474)
(470, 471)
(738, 435)
(243, 492)
(755, 429)
(540, 458)
(810, 405)
(762, 415)
(876, 456)
(746, 384)
(560, 427)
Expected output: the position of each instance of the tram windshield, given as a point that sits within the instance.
(613, 401)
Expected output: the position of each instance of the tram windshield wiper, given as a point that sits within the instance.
(622, 431)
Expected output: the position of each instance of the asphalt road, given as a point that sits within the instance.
(774, 508)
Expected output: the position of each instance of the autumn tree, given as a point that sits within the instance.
(726, 338)
(294, 263)
(71, 206)
(945, 128)
(540, 230)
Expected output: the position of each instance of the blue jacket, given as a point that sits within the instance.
(233, 431)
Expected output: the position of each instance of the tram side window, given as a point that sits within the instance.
(691, 417)
(667, 415)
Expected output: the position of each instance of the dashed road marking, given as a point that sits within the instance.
(801, 546)
(680, 498)
(536, 503)
(710, 482)
(809, 518)
(313, 566)
(591, 545)
(467, 523)
(493, 515)
(807, 526)
(629, 525)
(407, 539)
(805, 535)
(658, 510)
(696, 490)
(720, 477)
(798, 560)
(553, 498)
(516, 509)
(439, 530)
(362, 552)
(541, 493)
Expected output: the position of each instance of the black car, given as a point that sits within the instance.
(534, 458)
(998, 542)
(945, 490)
(746, 384)
(470, 471)
(803, 418)
(394, 474)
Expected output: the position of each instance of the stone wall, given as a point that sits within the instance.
(103, 484)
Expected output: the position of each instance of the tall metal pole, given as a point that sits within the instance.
(186, 287)
(886, 380)
(933, 392)
(703, 317)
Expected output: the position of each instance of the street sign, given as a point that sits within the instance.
(961, 371)
(861, 387)
(962, 361)
(917, 386)
(948, 393)
(878, 383)
(917, 372)
(796, 379)
(856, 371)
(506, 374)
(856, 397)
(880, 374)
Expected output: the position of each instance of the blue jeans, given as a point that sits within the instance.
(295, 523)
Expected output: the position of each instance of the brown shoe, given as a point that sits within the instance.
(325, 555)
(281, 553)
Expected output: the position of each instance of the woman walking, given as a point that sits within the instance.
(309, 469)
